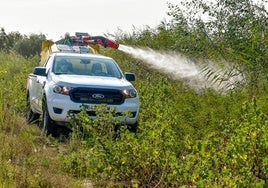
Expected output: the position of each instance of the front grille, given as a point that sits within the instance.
(97, 96)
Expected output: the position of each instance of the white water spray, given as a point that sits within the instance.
(181, 68)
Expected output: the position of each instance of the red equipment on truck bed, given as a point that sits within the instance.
(84, 39)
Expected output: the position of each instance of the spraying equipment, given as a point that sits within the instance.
(80, 43)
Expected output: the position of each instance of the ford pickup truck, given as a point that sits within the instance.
(68, 80)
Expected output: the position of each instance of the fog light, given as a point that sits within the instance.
(57, 110)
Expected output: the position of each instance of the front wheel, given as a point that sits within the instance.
(48, 125)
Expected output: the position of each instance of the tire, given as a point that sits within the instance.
(48, 125)
(133, 128)
(31, 117)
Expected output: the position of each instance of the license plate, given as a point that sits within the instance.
(92, 108)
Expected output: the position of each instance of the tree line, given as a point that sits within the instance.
(27, 46)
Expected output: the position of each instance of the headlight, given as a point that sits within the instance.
(129, 93)
(62, 89)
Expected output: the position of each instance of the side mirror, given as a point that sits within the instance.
(40, 71)
(130, 76)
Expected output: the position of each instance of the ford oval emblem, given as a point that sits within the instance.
(97, 96)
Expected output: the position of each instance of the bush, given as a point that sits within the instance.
(236, 156)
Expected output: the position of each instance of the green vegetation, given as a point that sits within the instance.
(185, 139)
(27, 46)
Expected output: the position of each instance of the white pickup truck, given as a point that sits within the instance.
(68, 80)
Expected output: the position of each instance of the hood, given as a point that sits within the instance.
(89, 81)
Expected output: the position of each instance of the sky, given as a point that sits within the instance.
(56, 17)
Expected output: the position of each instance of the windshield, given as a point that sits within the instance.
(86, 66)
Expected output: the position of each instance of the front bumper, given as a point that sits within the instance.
(60, 106)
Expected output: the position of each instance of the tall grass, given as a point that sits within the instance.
(26, 157)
